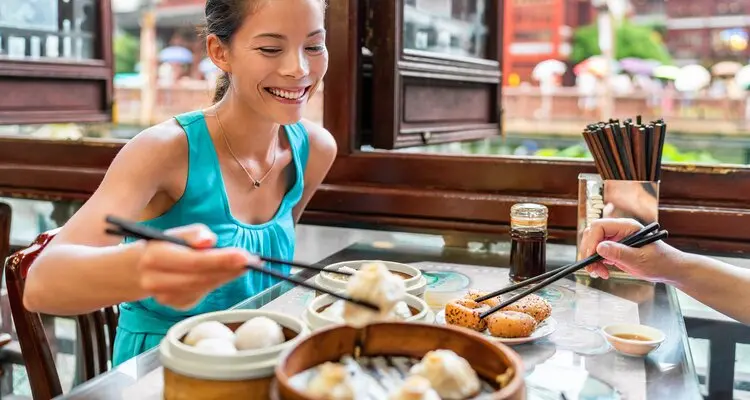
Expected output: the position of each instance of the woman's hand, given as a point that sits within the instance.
(179, 276)
(656, 262)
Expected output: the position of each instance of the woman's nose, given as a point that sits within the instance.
(296, 65)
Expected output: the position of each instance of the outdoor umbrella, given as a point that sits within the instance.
(743, 77)
(692, 78)
(176, 54)
(596, 65)
(638, 66)
(548, 68)
(726, 68)
(666, 72)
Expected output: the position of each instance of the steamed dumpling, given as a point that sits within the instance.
(208, 329)
(258, 333)
(449, 374)
(331, 383)
(373, 283)
(336, 311)
(415, 388)
(216, 346)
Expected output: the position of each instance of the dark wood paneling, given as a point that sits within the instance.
(45, 95)
(44, 91)
(412, 92)
(429, 102)
(340, 117)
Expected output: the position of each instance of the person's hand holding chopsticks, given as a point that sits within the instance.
(179, 276)
(655, 263)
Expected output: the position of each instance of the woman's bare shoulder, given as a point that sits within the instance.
(322, 143)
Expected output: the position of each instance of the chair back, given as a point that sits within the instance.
(96, 330)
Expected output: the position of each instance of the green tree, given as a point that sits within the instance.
(127, 52)
(631, 41)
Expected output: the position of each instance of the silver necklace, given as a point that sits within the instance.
(256, 182)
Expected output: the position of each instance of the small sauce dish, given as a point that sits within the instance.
(632, 339)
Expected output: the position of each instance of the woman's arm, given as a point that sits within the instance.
(83, 269)
(719, 285)
(322, 153)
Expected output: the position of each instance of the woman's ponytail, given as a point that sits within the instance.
(222, 87)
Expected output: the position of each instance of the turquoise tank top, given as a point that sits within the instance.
(144, 323)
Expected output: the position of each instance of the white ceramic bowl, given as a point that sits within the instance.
(415, 283)
(632, 347)
(183, 359)
(317, 320)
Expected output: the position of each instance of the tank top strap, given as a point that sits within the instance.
(299, 140)
(202, 164)
(300, 148)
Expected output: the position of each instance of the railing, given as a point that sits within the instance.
(526, 109)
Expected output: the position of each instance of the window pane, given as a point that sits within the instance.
(48, 29)
(656, 45)
(451, 27)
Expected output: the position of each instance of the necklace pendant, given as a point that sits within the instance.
(256, 184)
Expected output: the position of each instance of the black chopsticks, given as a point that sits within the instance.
(628, 240)
(627, 151)
(638, 239)
(138, 231)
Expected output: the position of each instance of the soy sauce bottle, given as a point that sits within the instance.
(528, 241)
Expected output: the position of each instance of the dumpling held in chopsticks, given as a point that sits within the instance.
(375, 284)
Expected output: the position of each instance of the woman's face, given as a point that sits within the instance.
(278, 57)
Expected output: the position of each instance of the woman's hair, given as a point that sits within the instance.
(223, 19)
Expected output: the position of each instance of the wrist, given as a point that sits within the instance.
(684, 268)
(133, 255)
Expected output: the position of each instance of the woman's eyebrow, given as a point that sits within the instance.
(282, 37)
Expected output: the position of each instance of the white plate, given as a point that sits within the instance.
(546, 328)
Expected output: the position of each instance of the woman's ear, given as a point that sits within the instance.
(218, 52)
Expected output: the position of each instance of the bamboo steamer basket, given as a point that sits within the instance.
(189, 374)
(488, 359)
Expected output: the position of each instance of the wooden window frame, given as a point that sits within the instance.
(421, 97)
(704, 208)
(42, 90)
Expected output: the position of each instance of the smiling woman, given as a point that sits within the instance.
(233, 178)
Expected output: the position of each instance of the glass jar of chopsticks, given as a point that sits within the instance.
(609, 198)
(628, 158)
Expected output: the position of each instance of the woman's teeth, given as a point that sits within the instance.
(291, 95)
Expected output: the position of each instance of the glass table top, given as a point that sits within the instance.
(574, 360)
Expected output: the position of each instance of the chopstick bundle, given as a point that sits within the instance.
(639, 239)
(134, 230)
(627, 151)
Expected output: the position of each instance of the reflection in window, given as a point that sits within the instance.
(47, 29)
(451, 27)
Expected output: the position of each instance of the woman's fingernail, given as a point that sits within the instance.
(594, 274)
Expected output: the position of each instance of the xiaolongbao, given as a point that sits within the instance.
(216, 346)
(449, 374)
(331, 383)
(208, 329)
(258, 333)
(415, 388)
(373, 283)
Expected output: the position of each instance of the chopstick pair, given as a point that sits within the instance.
(138, 231)
(638, 239)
